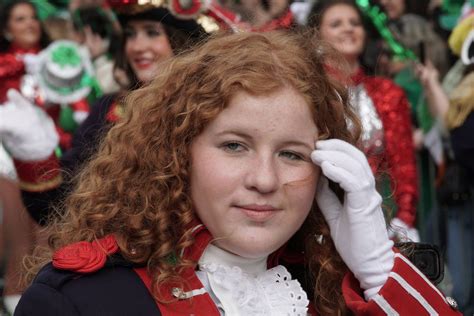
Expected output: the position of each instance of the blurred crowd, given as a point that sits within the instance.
(66, 67)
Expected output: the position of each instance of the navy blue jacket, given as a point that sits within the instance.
(113, 290)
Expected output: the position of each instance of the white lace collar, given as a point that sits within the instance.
(246, 287)
(214, 254)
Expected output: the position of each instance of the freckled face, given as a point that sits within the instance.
(252, 179)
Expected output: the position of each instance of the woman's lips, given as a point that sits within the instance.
(258, 213)
(142, 63)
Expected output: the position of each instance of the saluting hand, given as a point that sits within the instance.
(357, 225)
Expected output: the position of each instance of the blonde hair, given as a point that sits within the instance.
(137, 186)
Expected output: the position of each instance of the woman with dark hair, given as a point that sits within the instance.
(381, 106)
(212, 196)
(20, 33)
(20, 26)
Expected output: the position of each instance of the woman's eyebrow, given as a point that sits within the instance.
(152, 26)
(236, 133)
(298, 143)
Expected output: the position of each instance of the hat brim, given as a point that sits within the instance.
(163, 16)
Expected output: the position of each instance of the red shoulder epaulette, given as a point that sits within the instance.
(85, 256)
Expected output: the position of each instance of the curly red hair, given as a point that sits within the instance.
(137, 186)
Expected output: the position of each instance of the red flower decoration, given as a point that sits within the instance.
(84, 256)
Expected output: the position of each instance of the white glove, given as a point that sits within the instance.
(357, 226)
(27, 131)
(399, 230)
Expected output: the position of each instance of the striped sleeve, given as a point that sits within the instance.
(406, 292)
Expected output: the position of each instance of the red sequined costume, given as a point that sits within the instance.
(387, 138)
(12, 69)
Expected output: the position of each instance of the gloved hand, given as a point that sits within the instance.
(27, 131)
(400, 231)
(357, 226)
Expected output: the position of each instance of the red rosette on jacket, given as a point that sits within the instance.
(84, 256)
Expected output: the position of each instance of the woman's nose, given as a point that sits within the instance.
(262, 175)
(139, 43)
(348, 27)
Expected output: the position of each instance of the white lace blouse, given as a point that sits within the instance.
(241, 286)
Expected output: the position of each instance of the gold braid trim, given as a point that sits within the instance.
(461, 102)
(42, 186)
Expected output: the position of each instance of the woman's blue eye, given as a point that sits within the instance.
(291, 155)
(233, 146)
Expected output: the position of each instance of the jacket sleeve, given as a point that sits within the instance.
(40, 299)
(406, 292)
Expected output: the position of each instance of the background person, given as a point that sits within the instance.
(20, 33)
(94, 28)
(381, 106)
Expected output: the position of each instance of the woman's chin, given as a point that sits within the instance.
(251, 251)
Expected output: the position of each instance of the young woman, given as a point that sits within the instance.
(202, 199)
(381, 105)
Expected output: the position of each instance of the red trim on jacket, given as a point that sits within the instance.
(406, 292)
(186, 306)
